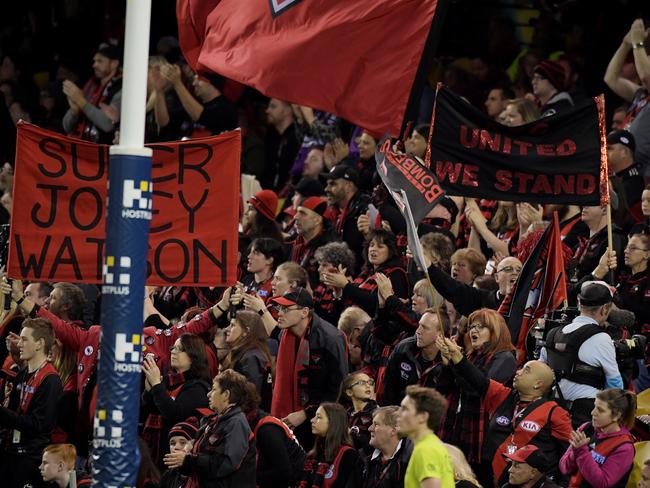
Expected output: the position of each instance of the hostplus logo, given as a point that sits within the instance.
(117, 277)
(107, 428)
(136, 199)
(128, 350)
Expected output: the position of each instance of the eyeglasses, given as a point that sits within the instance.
(369, 382)
(283, 309)
(176, 349)
(509, 269)
(477, 326)
(634, 248)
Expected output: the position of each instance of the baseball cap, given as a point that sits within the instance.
(315, 204)
(595, 293)
(343, 171)
(532, 456)
(298, 296)
(552, 71)
(624, 137)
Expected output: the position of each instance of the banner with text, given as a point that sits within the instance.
(59, 209)
(558, 159)
(413, 187)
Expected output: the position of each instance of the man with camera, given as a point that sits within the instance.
(582, 354)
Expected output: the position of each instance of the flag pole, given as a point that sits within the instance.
(610, 239)
(115, 421)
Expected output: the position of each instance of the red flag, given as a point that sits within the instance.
(541, 287)
(357, 59)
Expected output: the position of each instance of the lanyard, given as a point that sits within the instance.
(26, 386)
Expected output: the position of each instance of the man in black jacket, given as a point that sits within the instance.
(466, 298)
(416, 360)
(312, 353)
(386, 467)
(26, 424)
(349, 203)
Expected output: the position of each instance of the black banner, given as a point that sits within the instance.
(404, 172)
(414, 188)
(556, 159)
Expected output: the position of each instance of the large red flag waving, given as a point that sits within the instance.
(355, 58)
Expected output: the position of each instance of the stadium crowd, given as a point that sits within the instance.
(334, 361)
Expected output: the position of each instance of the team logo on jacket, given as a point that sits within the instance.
(503, 420)
(107, 428)
(136, 199)
(280, 6)
(128, 349)
(530, 426)
(406, 366)
(117, 275)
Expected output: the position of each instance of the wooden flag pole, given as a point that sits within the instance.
(610, 244)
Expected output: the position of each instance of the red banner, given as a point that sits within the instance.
(58, 222)
(329, 55)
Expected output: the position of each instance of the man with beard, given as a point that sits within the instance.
(95, 110)
(349, 203)
(313, 232)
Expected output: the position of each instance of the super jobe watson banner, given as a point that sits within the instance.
(557, 159)
(59, 212)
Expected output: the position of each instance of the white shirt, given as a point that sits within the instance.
(597, 351)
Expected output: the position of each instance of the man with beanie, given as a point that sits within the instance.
(95, 110)
(582, 354)
(548, 86)
(626, 179)
(528, 468)
(180, 436)
(313, 232)
(265, 202)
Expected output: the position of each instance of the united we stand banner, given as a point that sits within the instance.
(58, 229)
(559, 159)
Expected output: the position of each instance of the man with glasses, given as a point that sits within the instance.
(466, 298)
(312, 362)
(582, 354)
(549, 80)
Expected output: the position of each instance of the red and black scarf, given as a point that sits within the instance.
(286, 394)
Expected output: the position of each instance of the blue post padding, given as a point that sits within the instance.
(116, 456)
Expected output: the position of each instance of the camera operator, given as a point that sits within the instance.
(582, 354)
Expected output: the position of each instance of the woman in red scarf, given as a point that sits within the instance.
(180, 395)
(333, 462)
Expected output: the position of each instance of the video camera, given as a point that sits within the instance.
(628, 350)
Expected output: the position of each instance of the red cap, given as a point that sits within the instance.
(265, 202)
(532, 456)
(315, 204)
